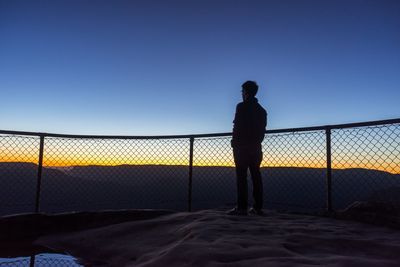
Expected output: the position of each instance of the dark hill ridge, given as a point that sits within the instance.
(166, 187)
(14, 165)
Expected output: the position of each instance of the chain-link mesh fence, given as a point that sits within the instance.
(96, 173)
(114, 174)
(41, 260)
(294, 170)
(15, 262)
(18, 173)
(213, 175)
(367, 164)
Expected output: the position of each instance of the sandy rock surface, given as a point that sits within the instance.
(212, 238)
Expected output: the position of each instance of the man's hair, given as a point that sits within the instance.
(250, 87)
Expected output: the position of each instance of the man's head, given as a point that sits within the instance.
(249, 90)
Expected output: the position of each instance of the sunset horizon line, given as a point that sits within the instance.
(200, 165)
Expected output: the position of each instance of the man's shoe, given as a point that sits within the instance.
(236, 211)
(254, 211)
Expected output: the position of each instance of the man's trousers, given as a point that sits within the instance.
(248, 158)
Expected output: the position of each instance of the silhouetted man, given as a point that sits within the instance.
(248, 133)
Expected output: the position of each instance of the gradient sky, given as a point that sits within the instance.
(175, 67)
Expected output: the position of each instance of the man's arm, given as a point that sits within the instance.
(263, 124)
(236, 122)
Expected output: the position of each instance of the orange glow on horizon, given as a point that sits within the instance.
(390, 168)
(207, 152)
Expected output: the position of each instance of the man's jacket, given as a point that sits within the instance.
(249, 124)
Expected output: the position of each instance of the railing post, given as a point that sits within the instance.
(190, 174)
(39, 174)
(32, 261)
(328, 170)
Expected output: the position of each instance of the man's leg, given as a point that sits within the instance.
(257, 180)
(241, 180)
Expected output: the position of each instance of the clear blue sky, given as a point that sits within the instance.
(175, 67)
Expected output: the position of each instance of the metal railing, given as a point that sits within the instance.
(310, 168)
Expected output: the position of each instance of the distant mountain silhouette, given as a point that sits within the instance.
(166, 187)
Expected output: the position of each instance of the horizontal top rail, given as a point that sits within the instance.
(288, 130)
(336, 126)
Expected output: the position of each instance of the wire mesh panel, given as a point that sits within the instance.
(15, 262)
(41, 260)
(294, 170)
(367, 163)
(18, 173)
(97, 174)
(55, 260)
(214, 182)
